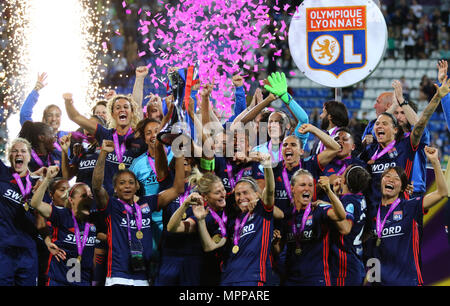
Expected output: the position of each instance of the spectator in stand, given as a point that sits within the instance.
(420, 49)
(417, 9)
(409, 36)
(405, 87)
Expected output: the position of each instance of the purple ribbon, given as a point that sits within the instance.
(120, 148)
(129, 210)
(185, 195)
(230, 175)
(302, 226)
(25, 191)
(152, 163)
(380, 226)
(80, 244)
(287, 184)
(377, 155)
(271, 152)
(221, 221)
(38, 160)
(238, 227)
(340, 162)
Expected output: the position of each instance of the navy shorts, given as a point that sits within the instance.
(179, 271)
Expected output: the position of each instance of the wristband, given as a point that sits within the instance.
(404, 103)
(207, 165)
(286, 98)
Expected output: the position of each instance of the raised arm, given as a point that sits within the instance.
(76, 117)
(442, 72)
(337, 213)
(100, 194)
(168, 195)
(254, 111)
(418, 129)
(43, 208)
(410, 114)
(138, 88)
(26, 111)
(268, 195)
(176, 225)
(240, 103)
(208, 243)
(441, 185)
(68, 170)
(332, 147)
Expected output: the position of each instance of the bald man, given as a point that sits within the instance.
(382, 104)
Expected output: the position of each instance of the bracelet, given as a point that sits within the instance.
(404, 103)
(207, 164)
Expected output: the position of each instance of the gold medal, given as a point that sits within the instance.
(378, 242)
(139, 235)
(298, 251)
(79, 258)
(26, 206)
(235, 249)
(121, 166)
(184, 216)
(217, 238)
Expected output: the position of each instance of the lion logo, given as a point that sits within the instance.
(325, 50)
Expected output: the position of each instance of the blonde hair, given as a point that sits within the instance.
(69, 194)
(298, 173)
(203, 181)
(134, 110)
(14, 142)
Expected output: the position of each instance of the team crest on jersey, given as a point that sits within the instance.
(92, 228)
(309, 220)
(398, 215)
(145, 208)
(393, 153)
(336, 38)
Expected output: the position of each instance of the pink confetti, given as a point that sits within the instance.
(128, 12)
(292, 73)
(104, 45)
(276, 8)
(141, 54)
(124, 4)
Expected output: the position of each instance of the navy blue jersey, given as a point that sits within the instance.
(399, 251)
(134, 148)
(86, 163)
(312, 263)
(64, 238)
(179, 244)
(346, 252)
(17, 225)
(252, 262)
(118, 269)
(336, 165)
(401, 155)
(249, 169)
(52, 159)
(282, 200)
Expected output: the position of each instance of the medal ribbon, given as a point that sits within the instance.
(322, 147)
(380, 226)
(287, 184)
(377, 155)
(230, 175)
(302, 226)
(152, 163)
(25, 191)
(38, 160)
(271, 152)
(344, 167)
(120, 148)
(221, 221)
(185, 195)
(238, 227)
(80, 244)
(129, 210)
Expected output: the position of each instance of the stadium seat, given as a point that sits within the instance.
(367, 103)
(412, 64)
(389, 63)
(370, 94)
(400, 63)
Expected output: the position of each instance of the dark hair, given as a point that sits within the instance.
(32, 130)
(357, 178)
(54, 184)
(338, 112)
(346, 130)
(142, 124)
(401, 173)
(399, 134)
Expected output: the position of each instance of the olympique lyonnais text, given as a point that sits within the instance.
(336, 18)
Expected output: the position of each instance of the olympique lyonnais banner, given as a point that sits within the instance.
(337, 46)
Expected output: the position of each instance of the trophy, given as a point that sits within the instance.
(180, 83)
